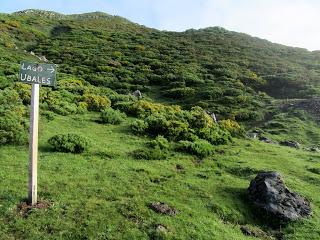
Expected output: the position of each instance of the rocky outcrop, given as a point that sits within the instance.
(269, 193)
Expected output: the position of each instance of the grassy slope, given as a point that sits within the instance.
(104, 193)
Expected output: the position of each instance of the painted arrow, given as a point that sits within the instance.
(51, 69)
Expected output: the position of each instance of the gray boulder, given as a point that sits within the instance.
(293, 144)
(137, 94)
(269, 193)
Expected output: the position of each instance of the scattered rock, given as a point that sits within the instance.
(252, 135)
(43, 58)
(161, 228)
(163, 208)
(290, 143)
(137, 94)
(214, 118)
(265, 139)
(315, 149)
(269, 193)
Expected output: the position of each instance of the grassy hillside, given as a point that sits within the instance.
(104, 193)
(164, 147)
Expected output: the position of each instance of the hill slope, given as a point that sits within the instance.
(198, 167)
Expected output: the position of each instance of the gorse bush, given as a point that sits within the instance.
(160, 142)
(157, 149)
(176, 124)
(96, 102)
(111, 116)
(232, 126)
(13, 129)
(199, 147)
(69, 143)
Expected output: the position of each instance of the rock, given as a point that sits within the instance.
(315, 149)
(265, 139)
(137, 94)
(292, 144)
(214, 118)
(161, 228)
(43, 58)
(269, 193)
(32, 53)
(163, 208)
(252, 135)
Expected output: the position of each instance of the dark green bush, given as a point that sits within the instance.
(111, 116)
(139, 126)
(69, 143)
(199, 147)
(160, 142)
(157, 149)
(150, 154)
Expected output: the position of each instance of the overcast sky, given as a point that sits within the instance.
(290, 22)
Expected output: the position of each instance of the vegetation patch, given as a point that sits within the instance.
(72, 143)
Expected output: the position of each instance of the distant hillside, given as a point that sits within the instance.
(226, 72)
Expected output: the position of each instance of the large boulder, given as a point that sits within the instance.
(269, 193)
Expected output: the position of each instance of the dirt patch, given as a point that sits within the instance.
(24, 209)
(163, 208)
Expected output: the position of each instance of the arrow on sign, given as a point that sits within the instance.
(51, 69)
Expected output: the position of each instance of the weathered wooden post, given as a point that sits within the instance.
(33, 144)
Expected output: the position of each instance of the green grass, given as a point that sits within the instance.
(104, 193)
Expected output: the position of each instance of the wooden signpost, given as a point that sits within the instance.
(35, 74)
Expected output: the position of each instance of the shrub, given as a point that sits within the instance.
(178, 93)
(12, 122)
(199, 147)
(232, 126)
(111, 116)
(150, 154)
(96, 102)
(215, 135)
(157, 149)
(139, 126)
(69, 143)
(160, 142)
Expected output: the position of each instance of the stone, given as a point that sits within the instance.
(267, 191)
(43, 58)
(163, 208)
(290, 143)
(265, 139)
(315, 149)
(137, 94)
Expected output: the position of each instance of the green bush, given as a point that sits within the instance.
(178, 93)
(199, 147)
(111, 116)
(69, 143)
(157, 149)
(139, 126)
(12, 121)
(215, 135)
(150, 154)
(160, 142)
